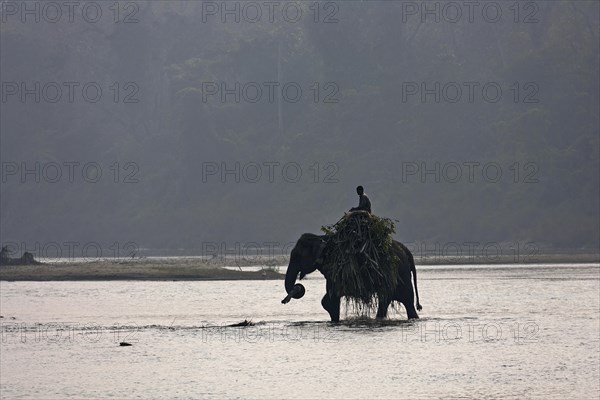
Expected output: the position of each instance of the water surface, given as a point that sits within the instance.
(485, 332)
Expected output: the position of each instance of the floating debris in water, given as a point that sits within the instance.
(243, 323)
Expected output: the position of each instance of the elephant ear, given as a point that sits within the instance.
(321, 247)
(317, 259)
(319, 252)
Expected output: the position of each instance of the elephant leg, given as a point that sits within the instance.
(406, 296)
(410, 310)
(382, 308)
(332, 305)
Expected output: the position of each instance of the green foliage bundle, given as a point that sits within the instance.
(359, 259)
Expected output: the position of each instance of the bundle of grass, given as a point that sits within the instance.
(359, 259)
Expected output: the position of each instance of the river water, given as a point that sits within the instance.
(485, 332)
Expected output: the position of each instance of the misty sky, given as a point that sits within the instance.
(173, 125)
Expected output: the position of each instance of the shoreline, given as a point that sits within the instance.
(223, 269)
(116, 272)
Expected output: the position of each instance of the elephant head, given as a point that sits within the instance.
(304, 259)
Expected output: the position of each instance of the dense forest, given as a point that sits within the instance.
(176, 123)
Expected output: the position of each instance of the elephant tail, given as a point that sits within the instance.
(414, 272)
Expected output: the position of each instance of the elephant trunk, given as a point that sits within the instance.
(290, 277)
(293, 289)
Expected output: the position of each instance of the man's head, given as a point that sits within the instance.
(360, 190)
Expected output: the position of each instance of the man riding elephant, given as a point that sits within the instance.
(364, 204)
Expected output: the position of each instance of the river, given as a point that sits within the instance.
(508, 331)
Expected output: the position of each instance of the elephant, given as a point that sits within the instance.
(306, 257)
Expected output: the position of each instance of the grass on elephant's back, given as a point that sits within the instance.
(359, 260)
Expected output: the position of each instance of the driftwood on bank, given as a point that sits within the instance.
(26, 259)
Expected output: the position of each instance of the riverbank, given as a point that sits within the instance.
(136, 269)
